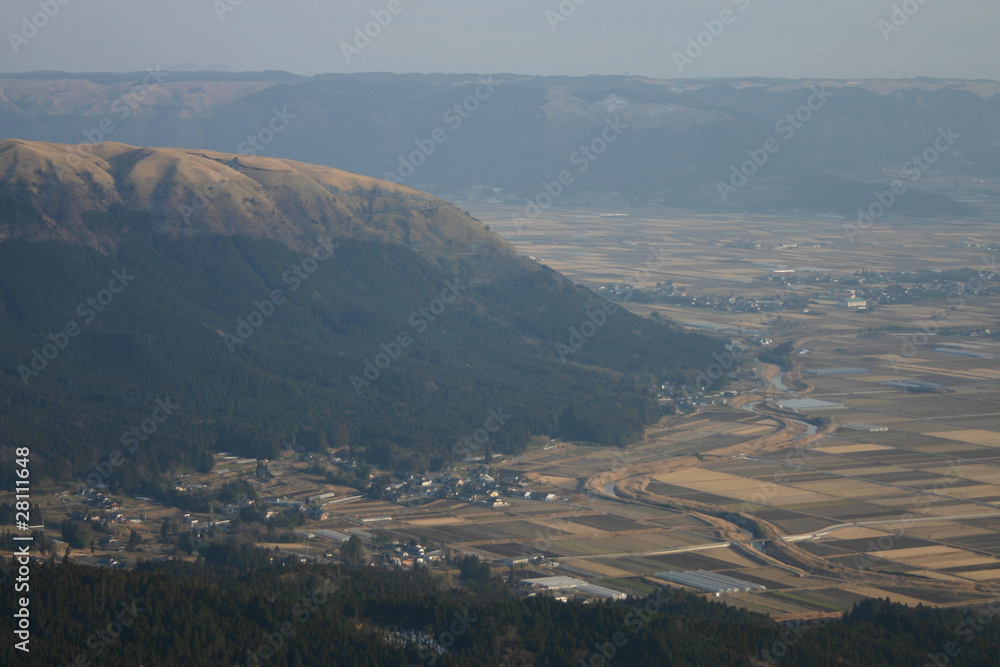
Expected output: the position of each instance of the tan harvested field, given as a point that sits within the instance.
(983, 575)
(853, 449)
(975, 436)
(911, 513)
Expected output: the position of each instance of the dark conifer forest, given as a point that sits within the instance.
(254, 356)
(237, 607)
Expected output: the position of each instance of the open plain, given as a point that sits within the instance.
(896, 494)
(868, 467)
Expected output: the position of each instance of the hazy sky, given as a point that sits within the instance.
(772, 38)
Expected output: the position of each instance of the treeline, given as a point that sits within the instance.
(779, 355)
(199, 328)
(245, 606)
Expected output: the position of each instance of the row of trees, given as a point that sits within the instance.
(240, 605)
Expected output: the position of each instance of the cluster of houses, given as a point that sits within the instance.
(742, 304)
(100, 500)
(939, 289)
(312, 507)
(753, 244)
(108, 507)
(407, 555)
(565, 589)
(663, 292)
(667, 293)
(480, 487)
(980, 245)
(864, 290)
(111, 543)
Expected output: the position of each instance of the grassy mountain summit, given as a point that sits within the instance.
(196, 192)
(298, 303)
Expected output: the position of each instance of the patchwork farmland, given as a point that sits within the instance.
(880, 476)
(896, 495)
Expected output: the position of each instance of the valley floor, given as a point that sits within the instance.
(871, 469)
(897, 496)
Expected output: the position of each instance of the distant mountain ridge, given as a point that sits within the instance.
(684, 136)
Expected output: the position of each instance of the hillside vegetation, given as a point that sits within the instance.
(392, 341)
(284, 615)
(54, 192)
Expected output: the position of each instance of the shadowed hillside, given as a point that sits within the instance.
(305, 302)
